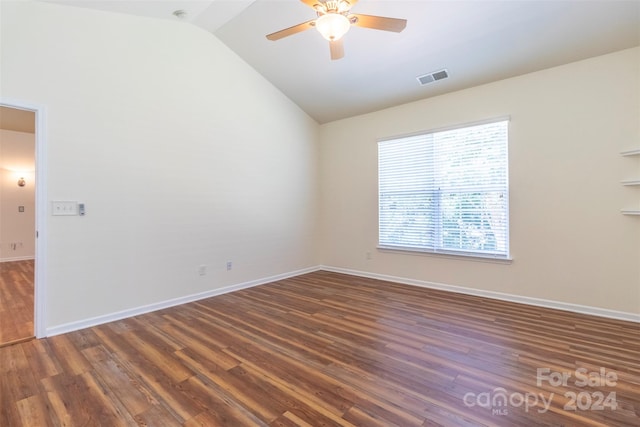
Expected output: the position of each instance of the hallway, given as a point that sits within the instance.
(16, 301)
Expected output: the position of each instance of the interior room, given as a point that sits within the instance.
(17, 224)
(201, 220)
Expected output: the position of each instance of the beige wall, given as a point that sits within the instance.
(569, 241)
(17, 229)
(182, 153)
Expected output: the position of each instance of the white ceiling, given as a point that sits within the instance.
(477, 41)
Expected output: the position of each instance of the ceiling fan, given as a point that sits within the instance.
(334, 20)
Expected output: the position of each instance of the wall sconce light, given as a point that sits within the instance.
(21, 182)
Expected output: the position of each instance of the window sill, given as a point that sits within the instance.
(477, 257)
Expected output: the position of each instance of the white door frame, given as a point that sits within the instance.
(39, 323)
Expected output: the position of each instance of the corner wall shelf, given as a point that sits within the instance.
(631, 182)
(633, 152)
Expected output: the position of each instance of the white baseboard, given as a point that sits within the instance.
(17, 258)
(99, 320)
(583, 309)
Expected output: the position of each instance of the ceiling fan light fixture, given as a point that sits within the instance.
(332, 26)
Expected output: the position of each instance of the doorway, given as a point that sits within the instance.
(19, 135)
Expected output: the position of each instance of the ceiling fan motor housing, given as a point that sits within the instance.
(332, 6)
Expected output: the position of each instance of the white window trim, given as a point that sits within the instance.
(469, 256)
(446, 128)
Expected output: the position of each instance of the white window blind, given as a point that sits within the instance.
(446, 191)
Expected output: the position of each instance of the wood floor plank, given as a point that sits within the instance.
(230, 387)
(226, 410)
(117, 379)
(289, 419)
(328, 349)
(153, 378)
(68, 355)
(33, 411)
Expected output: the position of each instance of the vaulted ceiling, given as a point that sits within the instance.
(475, 41)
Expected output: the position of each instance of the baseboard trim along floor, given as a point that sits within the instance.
(99, 320)
(593, 311)
(539, 302)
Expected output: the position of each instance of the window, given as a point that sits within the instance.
(446, 191)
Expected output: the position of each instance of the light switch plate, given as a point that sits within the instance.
(64, 208)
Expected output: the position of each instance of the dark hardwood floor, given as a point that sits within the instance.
(326, 349)
(16, 301)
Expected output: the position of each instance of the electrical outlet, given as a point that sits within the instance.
(229, 265)
(202, 270)
(367, 255)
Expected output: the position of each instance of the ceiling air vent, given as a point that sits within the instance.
(433, 77)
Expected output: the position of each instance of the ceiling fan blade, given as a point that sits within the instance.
(291, 30)
(337, 49)
(378, 22)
